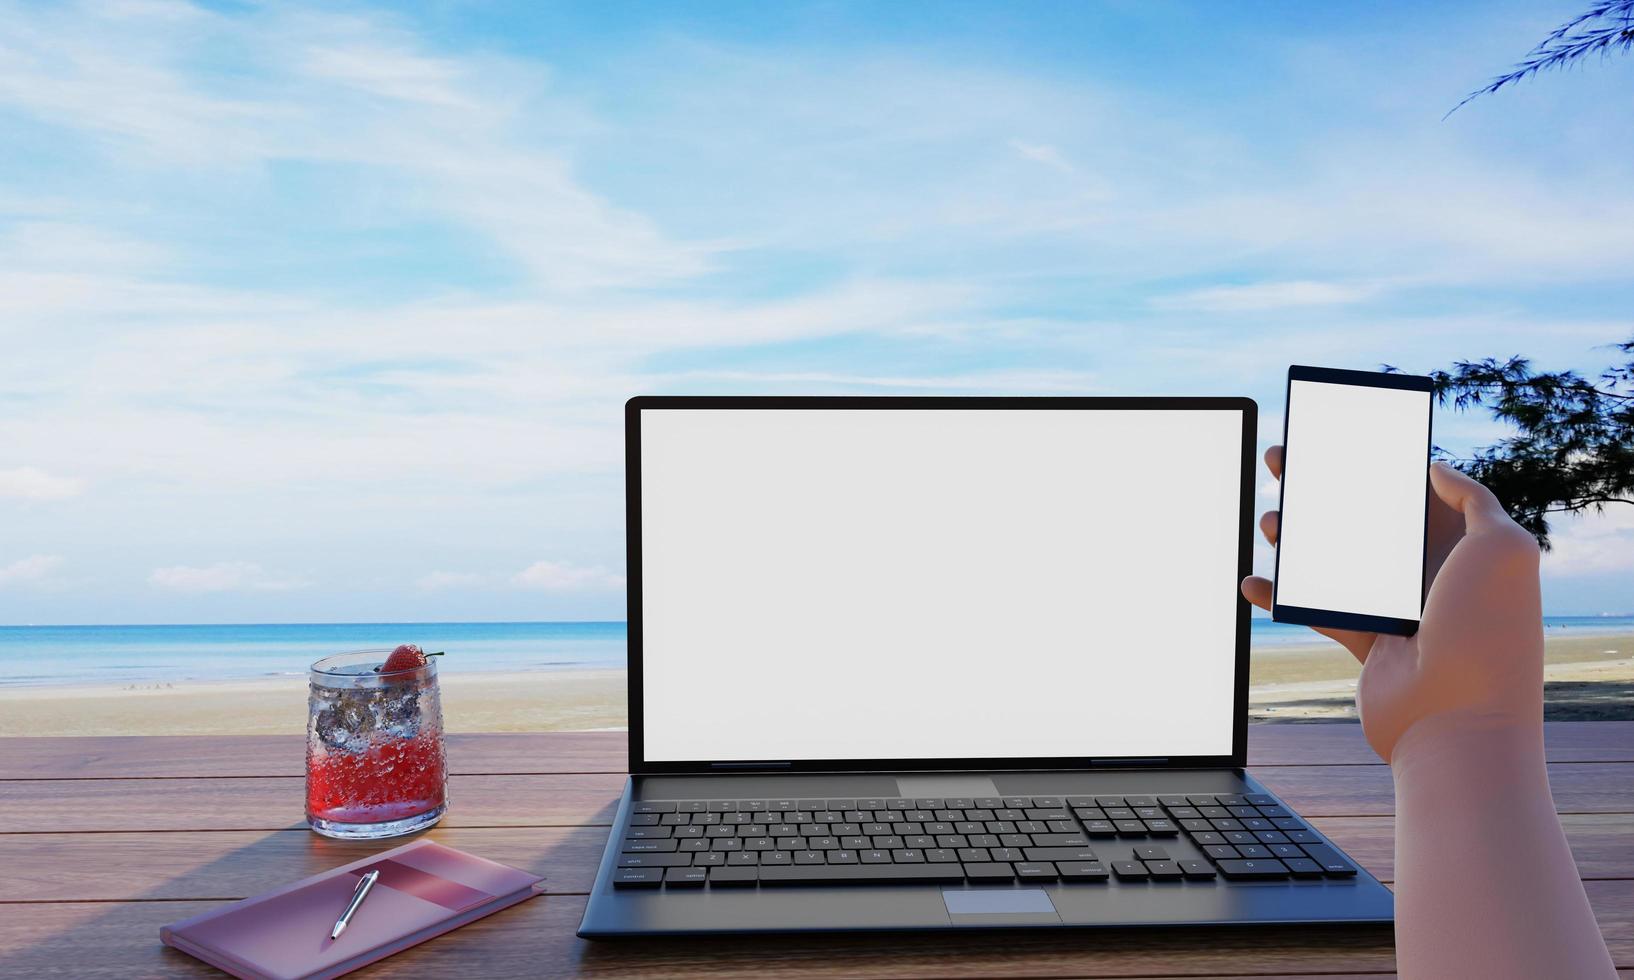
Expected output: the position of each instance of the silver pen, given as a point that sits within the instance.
(363, 885)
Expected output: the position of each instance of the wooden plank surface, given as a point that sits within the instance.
(135, 757)
(274, 802)
(161, 756)
(106, 839)
(535, 939)
(111, 867)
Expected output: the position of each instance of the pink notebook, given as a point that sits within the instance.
(424, 890)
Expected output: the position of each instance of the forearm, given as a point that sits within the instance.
(1485, 883)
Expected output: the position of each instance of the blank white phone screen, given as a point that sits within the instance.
(938, 584)
(1352, 531)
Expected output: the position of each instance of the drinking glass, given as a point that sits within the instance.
(375, 765)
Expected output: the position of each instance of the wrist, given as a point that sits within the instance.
(1470, 759)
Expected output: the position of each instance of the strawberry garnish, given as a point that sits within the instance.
(409, 656)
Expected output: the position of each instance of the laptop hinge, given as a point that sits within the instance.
(750, 765)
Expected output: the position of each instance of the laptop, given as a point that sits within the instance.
(933, 663)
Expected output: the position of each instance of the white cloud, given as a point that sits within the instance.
(553, 576)
(226, 576)
(30, 483)
(1256, 297)
(1590, 543)
(1045, 154)
(34, 568)
(454, 139)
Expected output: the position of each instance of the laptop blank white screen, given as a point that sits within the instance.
(844, 584)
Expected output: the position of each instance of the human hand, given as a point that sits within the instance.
(1477, 659)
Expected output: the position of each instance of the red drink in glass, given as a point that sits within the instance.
(375, 765)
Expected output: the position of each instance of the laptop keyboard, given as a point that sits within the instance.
(725, 843)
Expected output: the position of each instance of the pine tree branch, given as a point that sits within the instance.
(1569, 43)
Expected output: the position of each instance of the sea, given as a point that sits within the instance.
(59, 655)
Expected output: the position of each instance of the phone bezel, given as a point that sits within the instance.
(1333, 618)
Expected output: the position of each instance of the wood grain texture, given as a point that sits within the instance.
(96, 941)
(134, 757)
(143, 756)
(275, 802)
(1343, 744)
(278, 802)
(105, 840)
(236, 864)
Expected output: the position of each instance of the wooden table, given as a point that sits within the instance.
(106, 839)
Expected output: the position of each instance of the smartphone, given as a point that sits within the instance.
(1355, 500)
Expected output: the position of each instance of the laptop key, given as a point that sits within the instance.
(708, 859)
(1130, 828)
(884, 873)
(648, 832)
(988, 872)
(1060, 840)
(842, 856)
(654, 860)
(736, 876)
(651, 806)
(1253, 850)
(936, 855)
(1260, 799)
(773, 857)
(808, 857)
(1151, 852)
(908, 855)
(1100, 828)
(638, 877)
(1197, 870)
(740, 858)
(686, 877)
(1161, 828)
(632, 846)
(1164, 870)
(1333, 865)
(1303, 867)
(1058, 853)
(1038, 870)
(1081, 870)
(1252, 870)
(1129, 870)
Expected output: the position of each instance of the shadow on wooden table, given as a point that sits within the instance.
(1059, 952)
(120, 937)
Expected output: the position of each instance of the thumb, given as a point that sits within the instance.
(1480, 508)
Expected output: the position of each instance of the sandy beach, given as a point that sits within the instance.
(1587, 676)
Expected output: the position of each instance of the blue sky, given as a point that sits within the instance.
(325, 312)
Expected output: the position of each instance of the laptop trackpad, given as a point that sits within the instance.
(998, 906)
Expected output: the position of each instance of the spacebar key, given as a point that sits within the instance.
(835, 873)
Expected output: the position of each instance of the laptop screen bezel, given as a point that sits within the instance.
(633, 408)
